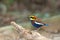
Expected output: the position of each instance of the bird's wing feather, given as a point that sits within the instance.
(39, 23)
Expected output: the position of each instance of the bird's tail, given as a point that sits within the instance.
(46, 24)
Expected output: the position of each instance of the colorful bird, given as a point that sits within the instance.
(37, 23)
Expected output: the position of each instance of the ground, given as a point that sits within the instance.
(9, 33)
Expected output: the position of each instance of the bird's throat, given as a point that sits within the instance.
(32, 21)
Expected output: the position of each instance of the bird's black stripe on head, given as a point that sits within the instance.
(32, 17)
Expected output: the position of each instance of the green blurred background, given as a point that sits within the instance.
(20, 10)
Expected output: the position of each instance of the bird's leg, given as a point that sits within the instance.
(37, 29)
(43, 27)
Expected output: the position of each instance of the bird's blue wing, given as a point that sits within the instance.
(39, 23)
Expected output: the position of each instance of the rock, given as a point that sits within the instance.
(27, 34)
(56, 38)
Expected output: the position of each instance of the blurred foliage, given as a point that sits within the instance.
(20, 10)
(11, 1)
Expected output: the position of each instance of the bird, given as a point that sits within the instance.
(37, 22)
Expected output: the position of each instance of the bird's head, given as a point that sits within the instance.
(33, 17)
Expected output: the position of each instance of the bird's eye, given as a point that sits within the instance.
(32, 17)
